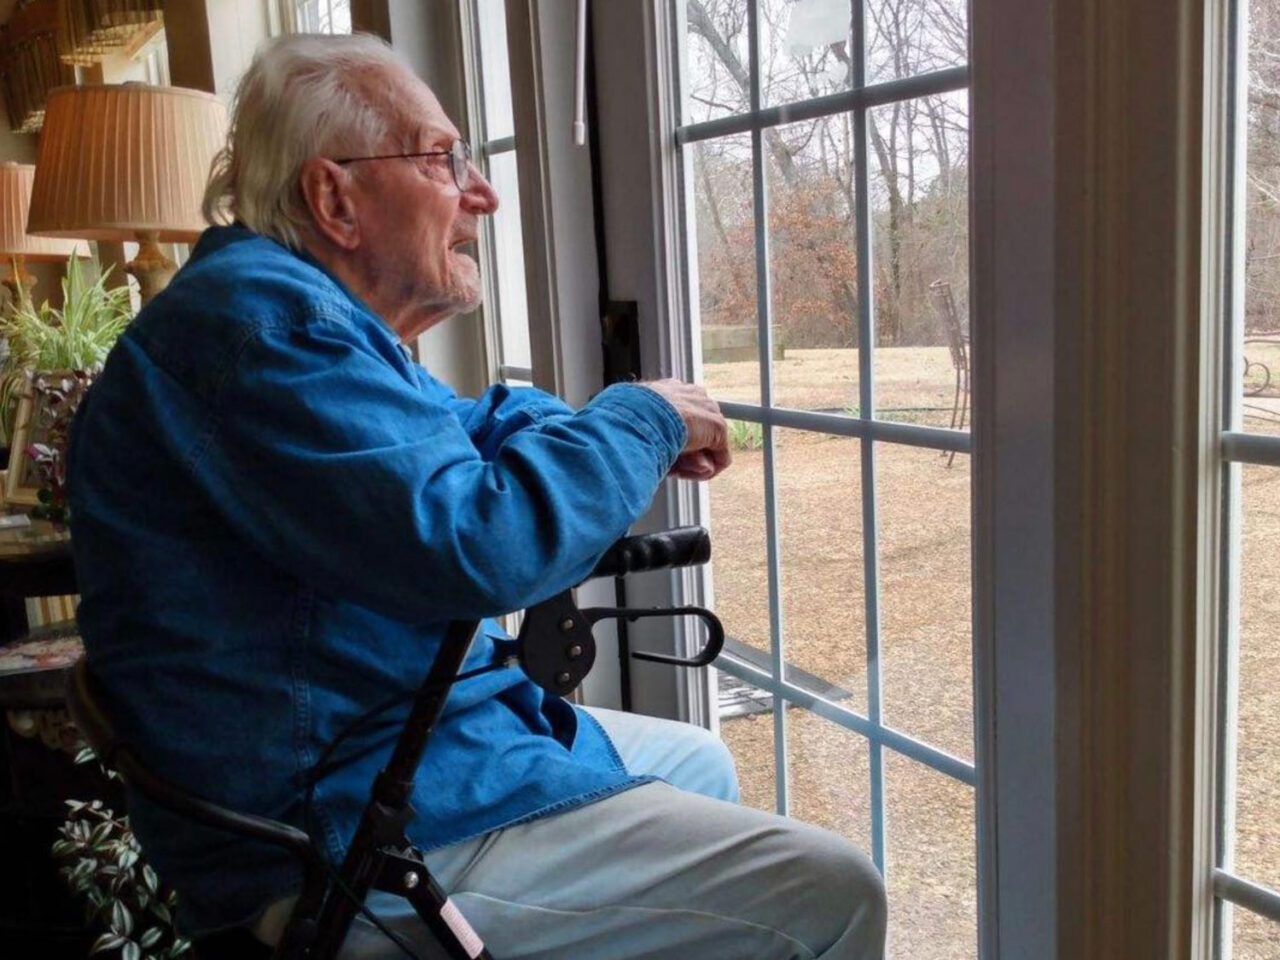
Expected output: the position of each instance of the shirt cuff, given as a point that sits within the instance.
(648, 409)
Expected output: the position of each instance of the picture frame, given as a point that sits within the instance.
(31, 424)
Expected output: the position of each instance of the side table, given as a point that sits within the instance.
(38, 917)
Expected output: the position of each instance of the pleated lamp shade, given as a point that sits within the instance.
(122, 162)
(15, 198)
(127, 162)
(16, 245)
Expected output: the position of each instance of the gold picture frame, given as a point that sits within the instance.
(22, 480)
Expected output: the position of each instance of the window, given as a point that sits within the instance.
(502, 247)
(1248, 873)
(321, 16)
(824, 148)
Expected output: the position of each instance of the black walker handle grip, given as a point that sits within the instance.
(681, 547)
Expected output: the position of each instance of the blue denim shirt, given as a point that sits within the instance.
(275, 512)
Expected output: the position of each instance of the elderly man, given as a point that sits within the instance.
(276, 511)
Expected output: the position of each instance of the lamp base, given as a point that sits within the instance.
(151, 268)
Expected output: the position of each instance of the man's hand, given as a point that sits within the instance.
(706, 451)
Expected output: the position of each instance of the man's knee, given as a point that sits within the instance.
(848, 908)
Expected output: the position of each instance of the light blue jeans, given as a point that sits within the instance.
(661, 871)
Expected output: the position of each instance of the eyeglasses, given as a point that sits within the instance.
(459, 161)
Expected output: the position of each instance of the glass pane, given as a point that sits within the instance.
(931, 864)
(829, 772)
(716, 79)
(920, 258)
(926, 643)
(1257, 846)
(915, 37)
(324, 16)
(805, 49)
(1260, 363)
(746, 726)
(724, 235)
(813, 264)
(739, 567)
(495, 69)
(513, 304)
(819, 484)
(1253, 937)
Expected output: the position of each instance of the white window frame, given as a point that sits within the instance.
(1095, 781)
(1058, 740)
(1226, 150)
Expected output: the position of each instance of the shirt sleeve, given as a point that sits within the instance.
(497, 413)
(337, 467)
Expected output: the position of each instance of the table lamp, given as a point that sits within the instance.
(127, 162)
(17, 247)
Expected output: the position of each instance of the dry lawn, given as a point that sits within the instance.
(925, 636)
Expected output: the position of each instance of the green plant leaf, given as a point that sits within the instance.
(162, 911)
(150, 937)
(131, 951)
(127, 859)
(149, 878)
(108, 941)
(121, 918)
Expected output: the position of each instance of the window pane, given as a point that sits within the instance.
(724, 235)
(805, 49)
(1257, 845)
(495, 69)
(746, 726)
(813, 264)
(829, 776)
(323, 16)
(918, 153)
(931, 863)
(1253, 937)
(906, 38)
(513, 305)
(926, 646)
(715, 69)
(1260, 366)
(820, 525)
(739, 568)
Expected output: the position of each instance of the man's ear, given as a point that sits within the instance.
(326, 188)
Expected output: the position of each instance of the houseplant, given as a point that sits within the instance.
(74, 338)
(124, 898)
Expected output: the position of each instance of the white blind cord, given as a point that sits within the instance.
(580, 79)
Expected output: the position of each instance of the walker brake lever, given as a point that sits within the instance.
(710, 650)
(556, 648)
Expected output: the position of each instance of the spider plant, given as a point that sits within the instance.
(75, 336)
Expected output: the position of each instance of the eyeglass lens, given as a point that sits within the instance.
(460, 158)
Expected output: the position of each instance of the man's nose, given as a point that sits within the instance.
(479, 198)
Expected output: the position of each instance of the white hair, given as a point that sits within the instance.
(300, 98)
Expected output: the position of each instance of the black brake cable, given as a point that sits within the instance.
(321, 768)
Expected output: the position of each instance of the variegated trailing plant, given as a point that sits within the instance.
(124, 898)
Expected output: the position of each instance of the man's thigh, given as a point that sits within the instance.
(651, 873)
(686, 756)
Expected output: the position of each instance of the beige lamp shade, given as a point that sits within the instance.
(125, 162)
(15, 198)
